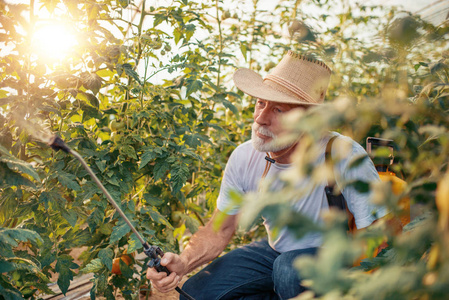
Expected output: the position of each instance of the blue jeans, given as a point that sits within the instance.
(254, 271)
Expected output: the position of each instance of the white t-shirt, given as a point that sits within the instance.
(244, 171)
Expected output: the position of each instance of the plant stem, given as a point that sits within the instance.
(139, 32)
(253, 21)
(220, 40)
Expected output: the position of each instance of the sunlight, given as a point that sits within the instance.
(54, 41)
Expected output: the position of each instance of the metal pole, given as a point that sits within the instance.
(103, 189)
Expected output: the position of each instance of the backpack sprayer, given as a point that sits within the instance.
(382, 165)
(154, 252)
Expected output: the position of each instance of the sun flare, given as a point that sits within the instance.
(54, 41)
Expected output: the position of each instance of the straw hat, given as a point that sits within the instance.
(296, 80)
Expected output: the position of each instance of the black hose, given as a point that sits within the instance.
(184, 294)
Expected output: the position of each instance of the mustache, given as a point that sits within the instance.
(263, 130)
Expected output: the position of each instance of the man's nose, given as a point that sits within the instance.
(263, 118)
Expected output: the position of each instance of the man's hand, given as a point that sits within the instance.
(161, 281)
(204, 246)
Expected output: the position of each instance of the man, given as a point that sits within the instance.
(263, 270)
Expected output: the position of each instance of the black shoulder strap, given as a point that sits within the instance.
(332, 199)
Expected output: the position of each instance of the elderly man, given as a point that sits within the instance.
(263, 269)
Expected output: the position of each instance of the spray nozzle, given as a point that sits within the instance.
(56, 143)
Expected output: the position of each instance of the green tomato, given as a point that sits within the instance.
(146, 38)
(115, 125)
(187, 188)
(157, 45)
(15, 276)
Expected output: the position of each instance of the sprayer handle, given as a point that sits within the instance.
(156, 263)
(155, 253)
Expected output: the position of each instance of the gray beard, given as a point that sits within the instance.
(261, 145)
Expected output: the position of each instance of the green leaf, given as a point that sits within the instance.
(158, 218)
(106, 255)
(179, 175)
(244, 50)
(192, 224)
(89, 112)
(360, 186)
(230, 106)
(88, 98)
(3, 94)
(102, 285)
(95, 218)
(119, 231)
(17, 164)
(6, 266)
(123, 3)
(68, 180)
(101, 164)
(64, 264)
(70, 216)
(22, 264)
(153, 200)
(125, 269)
(93, 266)
(128, 151)
(194, 140)
(48, 257)
(10, 294)
(160, 168)
(114, 181)
(177, 34)
(189, 30)
(8, 204)
(133, 243)
(146, 157)
(189, 152)
(10, 235)
(193, 86)
(130, 72)
(119, 68)
(158, 19)
(105, 73)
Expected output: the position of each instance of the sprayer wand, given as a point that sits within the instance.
(154, 252)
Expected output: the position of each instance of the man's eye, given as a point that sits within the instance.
(278, 110)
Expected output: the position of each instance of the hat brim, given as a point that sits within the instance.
(251, 83)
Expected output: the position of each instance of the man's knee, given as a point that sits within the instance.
(286, 277)
(284, 273)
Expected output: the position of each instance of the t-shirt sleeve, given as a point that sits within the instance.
(231, 182)
(363, 173)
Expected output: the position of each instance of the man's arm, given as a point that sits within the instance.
(209, 242)
(205, 245)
